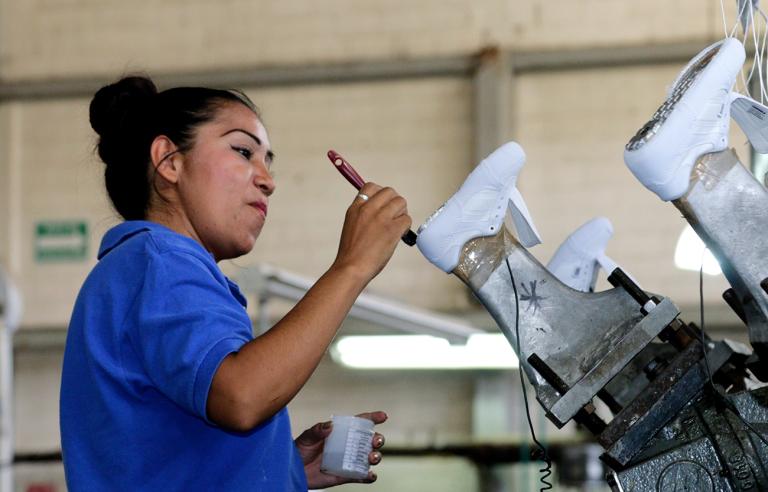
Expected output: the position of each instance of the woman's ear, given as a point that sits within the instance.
(163, 152)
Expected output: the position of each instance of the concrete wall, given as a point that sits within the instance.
(52, 176)
(57, 38)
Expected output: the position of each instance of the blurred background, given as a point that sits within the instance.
(413, 94)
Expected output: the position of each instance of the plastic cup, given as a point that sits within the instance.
(346, 450)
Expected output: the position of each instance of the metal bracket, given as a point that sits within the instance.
(627, 348)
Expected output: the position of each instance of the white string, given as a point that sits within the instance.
(759, 38)
(738, 19)
(757, 63)
(756, 28)
(763, 47)
(725, 19)
(758, 33)
(759, 27)
(758, 53)
(744, 80)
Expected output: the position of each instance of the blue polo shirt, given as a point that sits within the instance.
(151, 325)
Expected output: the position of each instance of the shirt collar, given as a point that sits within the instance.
(125, 230)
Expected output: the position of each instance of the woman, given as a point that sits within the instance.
(163, 385)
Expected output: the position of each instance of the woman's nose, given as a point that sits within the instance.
(263, 180)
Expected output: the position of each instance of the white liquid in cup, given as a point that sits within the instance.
(346, 450)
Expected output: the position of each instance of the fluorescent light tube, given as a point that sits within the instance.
(482, 351)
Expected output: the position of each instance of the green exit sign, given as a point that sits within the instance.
(61, 240)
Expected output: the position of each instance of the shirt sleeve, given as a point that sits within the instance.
(188, 322)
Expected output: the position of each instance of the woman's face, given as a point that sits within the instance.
(225, 183)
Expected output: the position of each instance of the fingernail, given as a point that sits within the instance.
(379, 442)
(373, 477)
(327, 425)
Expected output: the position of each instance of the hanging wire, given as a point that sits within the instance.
(744, 79)
(738, 18)
(725, 19)
(764, 45)
(759, 45)
(759, 33)
(540, 453)
(751, 28)
(756, 27)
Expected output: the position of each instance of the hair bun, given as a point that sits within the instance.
(111, 103)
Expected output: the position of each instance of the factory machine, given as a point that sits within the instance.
(686, 412)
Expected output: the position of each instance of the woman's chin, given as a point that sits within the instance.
(247, 244)
(236, 249)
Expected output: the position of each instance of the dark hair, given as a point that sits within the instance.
(130, 113)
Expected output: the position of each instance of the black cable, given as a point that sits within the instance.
(701, 321)
(727, 404)
(541, 453)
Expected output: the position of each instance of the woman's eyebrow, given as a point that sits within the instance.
(254, 137)
(270, 153)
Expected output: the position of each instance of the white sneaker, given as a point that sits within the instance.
(693, 121)
(478, 209)
(578, 260)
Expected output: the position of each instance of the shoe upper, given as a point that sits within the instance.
(477, 209)
(693, 121)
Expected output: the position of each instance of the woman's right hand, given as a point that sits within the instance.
(372, 229)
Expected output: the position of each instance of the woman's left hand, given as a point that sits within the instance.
(310, 445)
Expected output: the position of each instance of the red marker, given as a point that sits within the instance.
(346, 170)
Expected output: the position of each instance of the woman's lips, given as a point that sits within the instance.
(260, 206)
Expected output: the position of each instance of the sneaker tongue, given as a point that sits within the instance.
(526, 230)
(752, 117)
